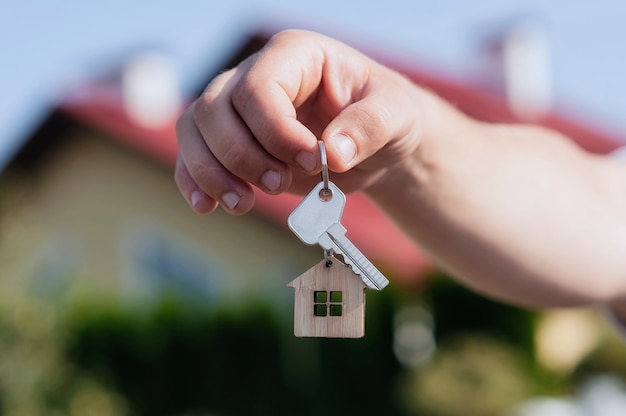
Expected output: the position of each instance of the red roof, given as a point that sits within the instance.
(369, 229)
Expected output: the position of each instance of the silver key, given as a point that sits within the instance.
(316, 220)
(335, 238)
(315, 213)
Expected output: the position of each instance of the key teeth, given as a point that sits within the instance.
(371, 276)
(376, 282)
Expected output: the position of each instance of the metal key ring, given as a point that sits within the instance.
(326, 190)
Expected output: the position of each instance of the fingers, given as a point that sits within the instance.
(199, 170)
(244, 130)
(357, 133)
(259, 123)
(232, 143)
(357, 106)
(385, 121)
(270, 115)
(196, 198)
(273, 85)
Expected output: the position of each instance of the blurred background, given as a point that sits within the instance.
(115, 299)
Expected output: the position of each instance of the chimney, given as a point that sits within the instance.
(517, 66)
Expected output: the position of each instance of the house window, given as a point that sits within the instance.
(327, 303)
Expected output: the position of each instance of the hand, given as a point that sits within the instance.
(479, 198)
(258, 124)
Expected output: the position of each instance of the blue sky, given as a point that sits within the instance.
(46, 45)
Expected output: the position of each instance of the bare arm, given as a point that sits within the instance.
(518, 213)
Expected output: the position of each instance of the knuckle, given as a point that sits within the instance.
(274, 144)
(374, 117)
(202, 108)
(374, 121)
(202, 173)
(233, 157)
(205, 105)
(290, 35)
(243, 92)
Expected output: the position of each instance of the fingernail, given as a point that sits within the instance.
(271, 180)
(307, 161)
(196, 198)
(231, 199)
(345, 147)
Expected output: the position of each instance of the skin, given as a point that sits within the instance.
(517, 213)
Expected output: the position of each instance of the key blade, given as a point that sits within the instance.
(370, 275)
(312, 217)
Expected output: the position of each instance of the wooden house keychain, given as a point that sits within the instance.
(330, 297)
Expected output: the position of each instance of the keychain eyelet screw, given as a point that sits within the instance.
(328, 255)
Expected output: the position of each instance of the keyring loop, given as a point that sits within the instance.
(326, 190)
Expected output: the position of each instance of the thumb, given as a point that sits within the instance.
(359, 131)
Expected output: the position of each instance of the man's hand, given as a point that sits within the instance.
(258, 124)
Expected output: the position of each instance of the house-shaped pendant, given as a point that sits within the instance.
(329, 302)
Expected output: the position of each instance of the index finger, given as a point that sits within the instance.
(269, 93)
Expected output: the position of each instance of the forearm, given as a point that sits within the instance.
(518, 213)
